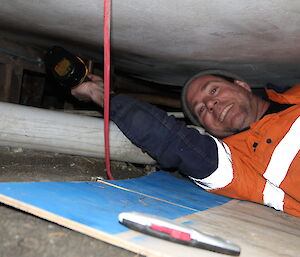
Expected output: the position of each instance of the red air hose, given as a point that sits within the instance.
(107, 19)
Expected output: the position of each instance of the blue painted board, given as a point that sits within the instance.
(167, 187)
(97, 205)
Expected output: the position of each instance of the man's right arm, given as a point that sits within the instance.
(167, 140)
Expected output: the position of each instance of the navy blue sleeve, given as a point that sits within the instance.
(170, 142)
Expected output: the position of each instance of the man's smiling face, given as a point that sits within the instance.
(222, 107)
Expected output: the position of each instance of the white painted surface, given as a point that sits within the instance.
(167, 41)
(39, 129)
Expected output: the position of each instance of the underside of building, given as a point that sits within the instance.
(155, 47)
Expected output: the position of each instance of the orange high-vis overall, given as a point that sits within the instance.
(262, 164)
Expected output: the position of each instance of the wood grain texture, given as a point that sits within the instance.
(92, 208)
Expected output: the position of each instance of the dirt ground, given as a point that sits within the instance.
(25, 235)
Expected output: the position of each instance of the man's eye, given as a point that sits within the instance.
(213, 91)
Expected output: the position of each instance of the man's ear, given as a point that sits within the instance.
(243, 84)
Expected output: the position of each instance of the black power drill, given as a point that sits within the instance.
(68, 69)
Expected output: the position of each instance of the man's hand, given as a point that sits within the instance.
(90, 91)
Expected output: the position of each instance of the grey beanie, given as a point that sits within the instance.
(187, 112)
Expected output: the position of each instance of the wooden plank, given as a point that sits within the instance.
(259, 231)
(10, 83)
(92, 208)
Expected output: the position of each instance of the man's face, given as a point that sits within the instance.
(222, 107)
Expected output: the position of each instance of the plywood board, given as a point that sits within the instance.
(92, 208)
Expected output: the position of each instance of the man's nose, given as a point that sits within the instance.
(211, 104)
